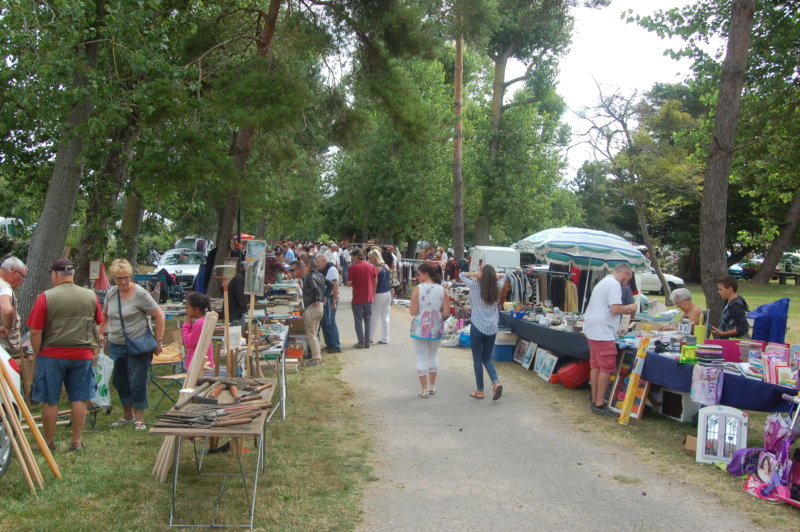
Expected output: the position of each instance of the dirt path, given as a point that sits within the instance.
(455, 463)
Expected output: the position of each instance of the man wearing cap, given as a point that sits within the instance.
(64, 337)
(12, 274)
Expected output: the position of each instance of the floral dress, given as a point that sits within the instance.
(428, 323)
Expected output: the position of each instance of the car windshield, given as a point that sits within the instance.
(187, 257)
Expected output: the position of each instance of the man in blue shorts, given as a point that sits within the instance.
(63, 326)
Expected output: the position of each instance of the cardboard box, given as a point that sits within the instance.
(296, 326)
(690, 444)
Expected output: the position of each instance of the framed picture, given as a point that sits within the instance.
(618, 385)
(548, 364)
(520, 350)
(530, 355)
(254, 267)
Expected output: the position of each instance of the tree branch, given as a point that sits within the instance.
(223, 44)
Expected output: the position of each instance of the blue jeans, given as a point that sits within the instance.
(330, 331)
(482, 347)
(130, 377)
(362, 314)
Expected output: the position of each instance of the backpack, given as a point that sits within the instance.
(745, 461)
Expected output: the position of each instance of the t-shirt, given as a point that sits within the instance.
(135, 311)
(289, 256)
(11, 343)
(363, 277)
(383, 280)
(598, 322)
(332, 274)
(38, 319)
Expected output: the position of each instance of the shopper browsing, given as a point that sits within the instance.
(127, 306)
(330, 331)
(600, 325)
(197, 305)
(429, 308)
(484, 291)
(313, 301)
(64, 337)
(362, 278)
(383, 297)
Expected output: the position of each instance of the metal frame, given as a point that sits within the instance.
(250, 496)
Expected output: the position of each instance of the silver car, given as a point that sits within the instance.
(184, 264)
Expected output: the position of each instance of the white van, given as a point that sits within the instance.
(499, 257)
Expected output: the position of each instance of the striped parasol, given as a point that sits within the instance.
(584, 248)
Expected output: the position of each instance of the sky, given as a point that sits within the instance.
(617, 55)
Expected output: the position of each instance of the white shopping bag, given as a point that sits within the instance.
(102, 374)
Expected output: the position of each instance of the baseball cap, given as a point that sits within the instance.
(62, 265)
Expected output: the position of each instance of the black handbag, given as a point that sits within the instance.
(144, 345)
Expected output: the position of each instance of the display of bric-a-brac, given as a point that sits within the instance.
(254, 267)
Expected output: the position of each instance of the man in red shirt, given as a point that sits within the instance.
(63, 326)
(363, 278)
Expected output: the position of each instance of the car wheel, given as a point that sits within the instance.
(5, 450)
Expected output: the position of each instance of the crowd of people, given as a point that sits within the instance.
(68, 325)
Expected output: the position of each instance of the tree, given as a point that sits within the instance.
(715, 185)
(651, 171)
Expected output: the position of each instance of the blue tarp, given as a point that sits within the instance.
(770, 321)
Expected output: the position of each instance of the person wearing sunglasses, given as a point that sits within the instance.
(12, 274)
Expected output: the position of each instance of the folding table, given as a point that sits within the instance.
(255, 429)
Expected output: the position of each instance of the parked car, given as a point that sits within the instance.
(651, 283)
(736, 270)
(5, 438)
(184, 264)
(195, 243)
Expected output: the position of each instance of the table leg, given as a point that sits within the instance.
(176, 465)
(283, 386)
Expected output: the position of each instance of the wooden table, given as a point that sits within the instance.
(782, 276)
(256, 429)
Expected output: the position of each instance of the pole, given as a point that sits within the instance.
(231, 371)
(26, 413)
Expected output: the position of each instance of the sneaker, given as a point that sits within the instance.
(359, 345)
(313, 362)
(601, 410)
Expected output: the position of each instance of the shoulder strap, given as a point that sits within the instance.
(121, 320)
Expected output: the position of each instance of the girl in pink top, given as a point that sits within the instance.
(197, 305)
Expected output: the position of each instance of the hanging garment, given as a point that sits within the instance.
(571, 299)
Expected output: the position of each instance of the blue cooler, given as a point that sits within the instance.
(503, 353)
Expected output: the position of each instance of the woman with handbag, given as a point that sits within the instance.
(430, 307)
(131, 343)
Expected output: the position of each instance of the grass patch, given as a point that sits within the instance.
(315, 463)
(657, 442)
(622, 479)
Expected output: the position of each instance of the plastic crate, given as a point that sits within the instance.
(503, 353)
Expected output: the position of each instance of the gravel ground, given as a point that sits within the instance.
(451, 462)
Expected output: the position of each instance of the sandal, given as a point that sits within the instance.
(139, 425)
(52, 446)
(432, 390)
(424, 394)
(477, 395)
(122, 422)
(498, 391)
(77, 446)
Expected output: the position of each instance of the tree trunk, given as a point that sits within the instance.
(651, 249)
(47, 240)
(128, 243)
(261, 228)
(240, 151)
(458, 181)
(688, 266)
(411, 247)
(779, 245)
(715, 188)
(103, 194)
